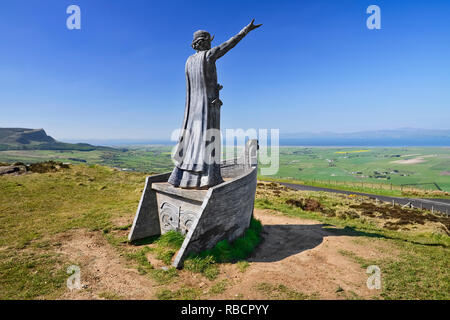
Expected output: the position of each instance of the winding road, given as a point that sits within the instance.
(442, 205)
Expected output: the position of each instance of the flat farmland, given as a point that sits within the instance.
(420, 167)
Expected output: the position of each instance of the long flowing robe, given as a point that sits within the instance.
(197, 154)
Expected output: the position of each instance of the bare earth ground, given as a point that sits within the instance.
(103, 271)
(302, 255)
(410, 161)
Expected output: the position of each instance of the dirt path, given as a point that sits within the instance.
(104, 274)
(297, 257)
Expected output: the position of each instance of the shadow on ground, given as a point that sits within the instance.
(282, 241)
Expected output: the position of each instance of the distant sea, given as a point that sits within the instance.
(307, 142)
(371, 142)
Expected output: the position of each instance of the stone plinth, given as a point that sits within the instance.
(205, 217)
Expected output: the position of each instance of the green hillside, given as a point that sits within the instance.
(81, 216)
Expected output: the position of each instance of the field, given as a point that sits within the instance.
(315, 245)
(423, 168)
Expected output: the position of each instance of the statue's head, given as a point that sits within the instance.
(202, 40)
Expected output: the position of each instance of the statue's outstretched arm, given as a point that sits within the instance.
(217, 52)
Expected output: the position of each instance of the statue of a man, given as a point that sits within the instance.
(197, 154)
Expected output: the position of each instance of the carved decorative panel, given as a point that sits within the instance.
(187, 219)
(170, 217)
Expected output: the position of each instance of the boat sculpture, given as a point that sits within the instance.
(205, 217)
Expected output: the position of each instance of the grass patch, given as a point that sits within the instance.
(350, 295)
(184, 293)
(242, 266)
(165, 247)
(125, 227)
(281, 292)
(364, 263)
(421, 272)
(241, 248)
(205, 265)
(219, 287)
(145, 267)
(140, 257)
(164, 254)
(114, 240)
(171, 239)
(109, 295)
(164, 276)
(31, 275)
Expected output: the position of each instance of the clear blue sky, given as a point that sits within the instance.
(313, 65)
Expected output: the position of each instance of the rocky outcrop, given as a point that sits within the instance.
(19, 168)
(15, 169)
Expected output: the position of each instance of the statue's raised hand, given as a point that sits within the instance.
(252, 26)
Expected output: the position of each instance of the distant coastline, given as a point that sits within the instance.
(365, 143)
(404, 137)
(292, 143)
